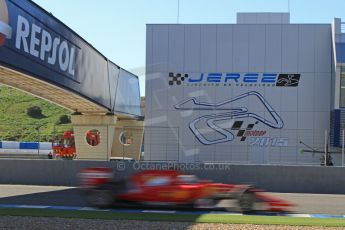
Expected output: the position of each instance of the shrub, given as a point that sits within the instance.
(34, 111)
(64, 119)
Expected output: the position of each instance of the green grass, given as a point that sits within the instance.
(16, 125)
(206, 218)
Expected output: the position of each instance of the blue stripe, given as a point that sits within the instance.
(126, 210)
(326, 216)
(65, 207)
(9, 206)
(28, 145)
(0, 144)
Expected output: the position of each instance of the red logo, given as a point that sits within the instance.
(5, 29)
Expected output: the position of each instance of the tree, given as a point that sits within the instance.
(34, 112)
(64, 119)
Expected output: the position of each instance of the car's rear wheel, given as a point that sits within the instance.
(100, 198)
(246, 201)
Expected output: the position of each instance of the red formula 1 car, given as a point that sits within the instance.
(172, 188)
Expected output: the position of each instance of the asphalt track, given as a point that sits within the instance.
(67, 196)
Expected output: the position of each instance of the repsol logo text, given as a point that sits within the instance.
(44, 45)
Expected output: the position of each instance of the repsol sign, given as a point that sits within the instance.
(237, 79)
(42, 44)
(37, 38)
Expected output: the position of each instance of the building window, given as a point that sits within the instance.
(93, 137)
(126, 138)
(342, 86)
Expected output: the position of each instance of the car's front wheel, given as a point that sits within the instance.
(100, 198)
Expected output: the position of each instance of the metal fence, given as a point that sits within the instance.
(304, 147)
(288, 147)
(161, 144)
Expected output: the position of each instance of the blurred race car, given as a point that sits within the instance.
(172, 188)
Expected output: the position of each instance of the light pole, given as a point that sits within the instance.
(178, 11)
(342, 147)
(38, 134)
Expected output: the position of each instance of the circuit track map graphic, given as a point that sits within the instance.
(231, 113)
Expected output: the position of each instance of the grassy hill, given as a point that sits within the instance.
(16, 125)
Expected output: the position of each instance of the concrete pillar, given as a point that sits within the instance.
(104, 124)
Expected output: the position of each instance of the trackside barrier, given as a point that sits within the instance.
(25, 145)
(274, 178)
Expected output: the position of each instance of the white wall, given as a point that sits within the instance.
(196, 49)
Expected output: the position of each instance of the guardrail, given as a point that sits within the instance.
(15, 149)
(25, 145)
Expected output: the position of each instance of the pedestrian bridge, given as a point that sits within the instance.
(42, 56)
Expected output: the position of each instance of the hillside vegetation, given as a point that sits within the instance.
(16, 125)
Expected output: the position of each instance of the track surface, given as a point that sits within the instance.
(67, 196)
